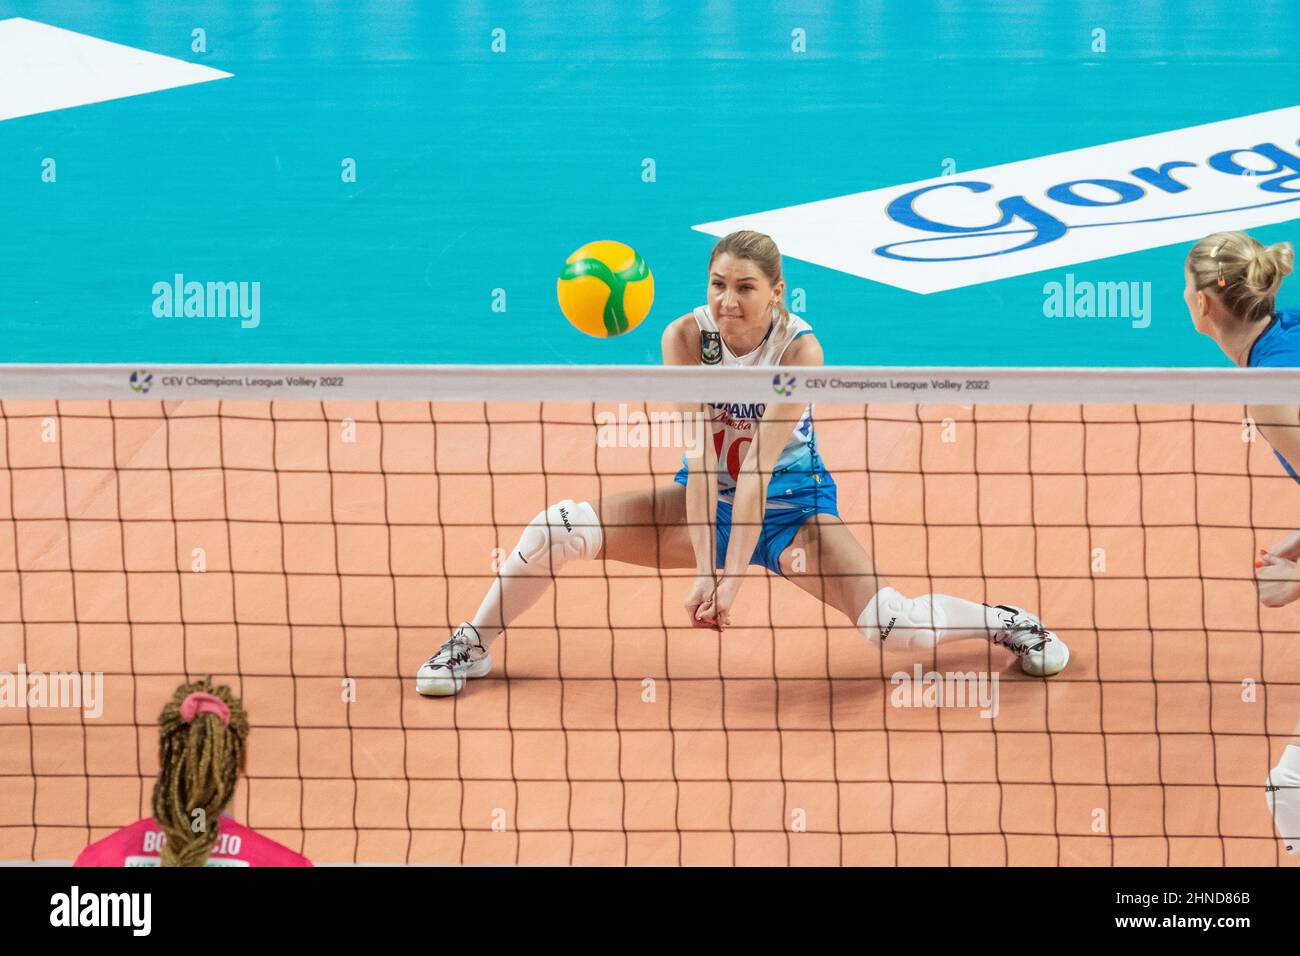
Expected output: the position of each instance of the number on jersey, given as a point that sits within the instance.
(735, 454)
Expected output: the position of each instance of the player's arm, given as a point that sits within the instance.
(1277, 579)
(701, 489)
(773, 433)
(771, 436)
(1276, 573)
(1280, 426)
(681, 346)
(1288, 547)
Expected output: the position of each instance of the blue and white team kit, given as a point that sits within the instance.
(1278, 346)
(799, 486)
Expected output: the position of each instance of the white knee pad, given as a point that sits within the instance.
(1282, 791)
(902, 622)
(564, 531)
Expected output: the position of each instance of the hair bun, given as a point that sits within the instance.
(1268, 267)
(1284, 255)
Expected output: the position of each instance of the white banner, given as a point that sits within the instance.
(972, 227)
(44, 68)
(631, 383)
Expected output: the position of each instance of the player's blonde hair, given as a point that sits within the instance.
(200, 758)
(761, 250)
(1241, 272)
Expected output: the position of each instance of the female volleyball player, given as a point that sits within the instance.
(1231, 289)
(204, 731)
(1231, 292)
(753, 495)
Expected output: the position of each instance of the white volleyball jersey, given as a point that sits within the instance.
(734, 423)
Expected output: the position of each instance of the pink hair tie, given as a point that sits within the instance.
(200, 703)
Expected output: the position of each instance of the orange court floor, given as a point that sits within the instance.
(313, 554)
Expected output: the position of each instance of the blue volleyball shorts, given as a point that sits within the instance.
(785, 514)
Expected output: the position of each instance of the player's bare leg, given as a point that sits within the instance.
(840, 572)
(646, 528)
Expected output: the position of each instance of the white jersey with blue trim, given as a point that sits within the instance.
(734, 423)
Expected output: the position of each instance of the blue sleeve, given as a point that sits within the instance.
(1280, 355)
(1279, 346)
(1286, 465)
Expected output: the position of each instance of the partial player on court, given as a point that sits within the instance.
(1232, 281)
(203, 733)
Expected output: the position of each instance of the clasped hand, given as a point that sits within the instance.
(710, 600)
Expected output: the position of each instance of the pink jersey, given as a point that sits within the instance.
(141, 843)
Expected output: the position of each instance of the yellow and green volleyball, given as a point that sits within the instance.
(605, 289)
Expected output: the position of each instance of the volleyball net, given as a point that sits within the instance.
(313, 554)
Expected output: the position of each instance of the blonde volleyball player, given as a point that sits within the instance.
(1232, 281)
(762, 483)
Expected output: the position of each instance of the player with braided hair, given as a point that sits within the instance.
(202, 747)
